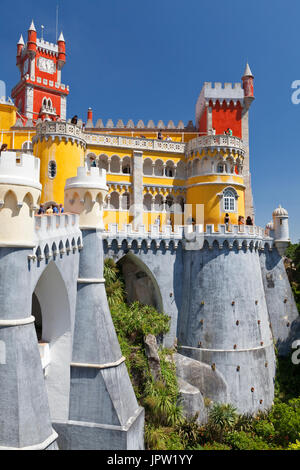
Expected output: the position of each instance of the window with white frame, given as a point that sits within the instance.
(52, 169)
(229, 200)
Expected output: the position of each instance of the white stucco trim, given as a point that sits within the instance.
(228, 350)
(19, 321)
(91, 281)
(41, 446)
(216, 182)
(99, 366)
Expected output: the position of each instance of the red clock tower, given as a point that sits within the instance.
(40, 93)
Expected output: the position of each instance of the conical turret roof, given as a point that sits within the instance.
(247, 72)
(21, 41)
(32, 27)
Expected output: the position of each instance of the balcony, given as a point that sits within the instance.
(216, 142)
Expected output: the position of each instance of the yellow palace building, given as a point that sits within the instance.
(157, 173)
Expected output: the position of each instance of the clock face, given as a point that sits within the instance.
(46, 65)
(26, 67)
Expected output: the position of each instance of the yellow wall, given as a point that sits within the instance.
(68, 157)
(7, 116)
(213, 204)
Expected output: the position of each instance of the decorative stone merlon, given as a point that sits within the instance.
(20, 169)
(84, 195)
(93, 178)
(20, 190)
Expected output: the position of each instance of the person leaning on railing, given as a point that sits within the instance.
(3, 148)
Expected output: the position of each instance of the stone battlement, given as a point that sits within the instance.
(242, 235)
(45, 45)
(20, 169)
(93, 178)
(221, 86)
(56, 235)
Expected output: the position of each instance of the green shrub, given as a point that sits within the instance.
(189, 432)
(265, 430)
(295, 446)
(244, 441)
(162, 438)
(286, 420)
(215, 446)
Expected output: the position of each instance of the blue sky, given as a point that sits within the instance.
(148, 60)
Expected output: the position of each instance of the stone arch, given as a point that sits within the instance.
(115, 164)
(159, 168)
(205, 165)
(147, 202)
(140, 282)
(125, 201)
(89, 159)
(230, 164)
(114, 200)
(54, 312)
(126, 165)
(10, 203)
(103, 162)
(170, 169)
(158, 203)
(180, 170)
(147, 167)
(196, 167)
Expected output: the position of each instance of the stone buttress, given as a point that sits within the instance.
(103, 412)
(224, 320)
(24, 412)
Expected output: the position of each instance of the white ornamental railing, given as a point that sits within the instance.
(135, 143)
(216, 141)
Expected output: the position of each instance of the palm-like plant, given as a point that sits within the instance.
(222, 418)
(114, 286)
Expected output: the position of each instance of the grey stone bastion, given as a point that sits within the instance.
(64, 382)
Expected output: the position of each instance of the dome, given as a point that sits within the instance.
(280, 211)
(270, 226)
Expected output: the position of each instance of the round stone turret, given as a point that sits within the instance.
(84, 195)
(281, 229)
(20, 191)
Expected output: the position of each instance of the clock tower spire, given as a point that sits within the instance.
(40, 92)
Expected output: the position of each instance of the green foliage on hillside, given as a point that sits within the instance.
(165, 428)
(293, 253)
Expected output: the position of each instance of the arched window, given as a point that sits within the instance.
(114, 200)
(229, 200)
(147, 167)
(220, 167)
(147, 202)
(126, 166)
(52, 169)
(115, 164)
(169, 203)
(125, 201)
(170, 169)
(27, 145)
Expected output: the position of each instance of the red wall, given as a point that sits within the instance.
(227, 116)
(38, 97)
(203, 123)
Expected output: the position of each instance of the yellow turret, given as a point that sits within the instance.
(214, 178)
(60, 147)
